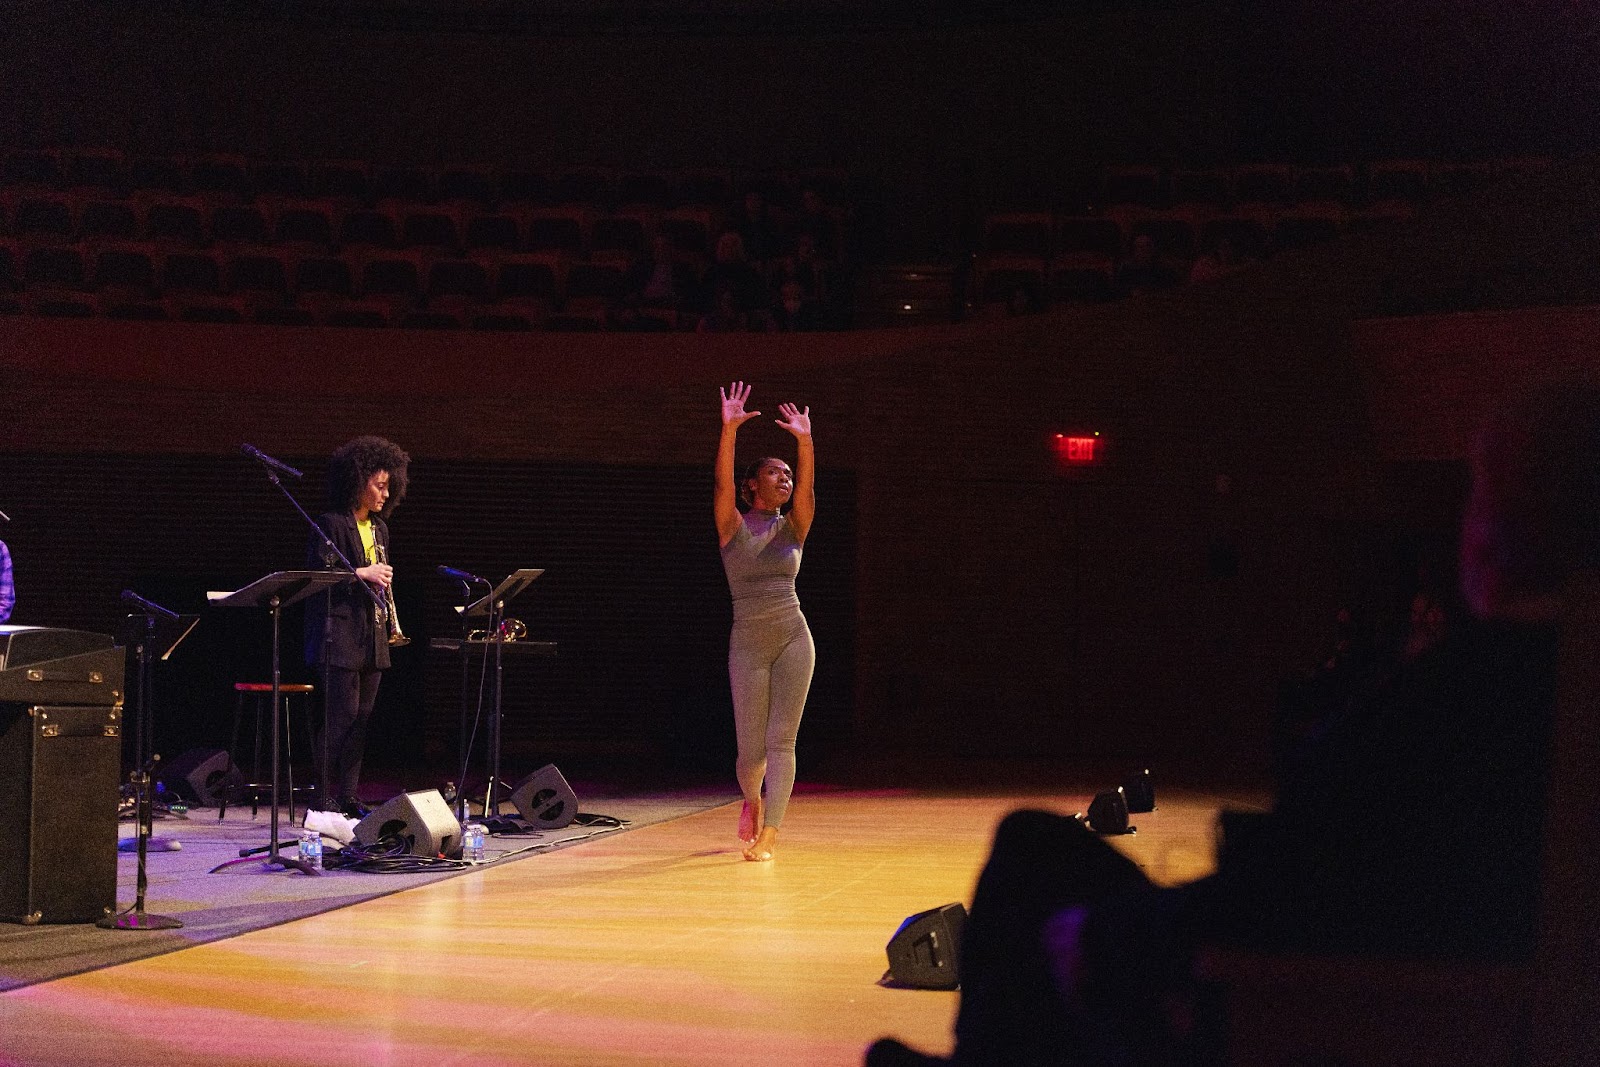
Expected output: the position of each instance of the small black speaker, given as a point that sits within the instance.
(925, 953)
(1108, 813)
(421, 819)
(59, 768)
(202, 776)
(1140, 792)
(545, 800)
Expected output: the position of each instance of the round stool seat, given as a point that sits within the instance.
(266, 687)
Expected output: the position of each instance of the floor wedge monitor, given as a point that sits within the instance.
(422, 820)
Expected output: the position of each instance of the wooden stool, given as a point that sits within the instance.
(260, 702)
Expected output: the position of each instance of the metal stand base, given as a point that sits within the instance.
(139, 920)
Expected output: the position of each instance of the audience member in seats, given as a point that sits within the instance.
(733, 270)
(770, 652)
(753, 221)
(794, 313)
(658, 279)
(1412, 830)
(818, 222)
(8, 586)
(1226, 258)
(817, 276)
(726, 316)
(1143, 271)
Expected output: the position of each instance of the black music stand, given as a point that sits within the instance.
(156, 633)
(276, 591)
(493, 606)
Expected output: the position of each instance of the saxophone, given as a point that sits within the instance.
(388, 614)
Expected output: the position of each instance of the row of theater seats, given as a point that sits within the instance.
(1379, 182)
(534, 284)
(240, 179)
(324, 227)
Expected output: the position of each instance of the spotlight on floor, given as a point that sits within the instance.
(1140, 792)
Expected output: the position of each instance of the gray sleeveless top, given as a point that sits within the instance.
(761, 561)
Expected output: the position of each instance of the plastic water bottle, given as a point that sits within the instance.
(311, 849)
(472, 841)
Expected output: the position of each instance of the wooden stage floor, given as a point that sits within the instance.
(657, 946)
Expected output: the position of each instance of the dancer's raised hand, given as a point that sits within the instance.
(733, 401)
(794, 420)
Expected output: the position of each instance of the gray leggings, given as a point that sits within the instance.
(769, 664)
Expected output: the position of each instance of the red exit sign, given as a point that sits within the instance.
(1080, 449)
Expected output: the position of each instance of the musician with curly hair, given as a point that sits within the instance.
(347, 629)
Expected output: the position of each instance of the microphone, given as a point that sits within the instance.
(261, 457)
(463, 576)
(130, 597)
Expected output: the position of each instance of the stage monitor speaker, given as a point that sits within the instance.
(1108, 813)
(59, 771)
(925, 953)
(202, 776)
(421, 819)
(545, 800)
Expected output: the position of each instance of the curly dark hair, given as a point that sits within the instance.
(751, 473)
(354, 463)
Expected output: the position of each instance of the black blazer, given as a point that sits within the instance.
(354, 640)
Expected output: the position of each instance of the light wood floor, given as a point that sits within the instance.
(657, 946)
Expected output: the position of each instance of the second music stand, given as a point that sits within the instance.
(276, 591)
(493, 605)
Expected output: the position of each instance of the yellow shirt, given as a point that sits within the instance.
(369, 541)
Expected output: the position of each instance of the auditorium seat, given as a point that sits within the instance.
(175, 222)
(305, 226)
(1082, 282)
(576, 322)
(498, 319)
(436, 229)
(690, 228)
(220, 179)
(127, 269)
(397, 275)
(360, 314)
(261, 275)
(499, 231)
(32, 169)
(114, 220)
(592, 287)
(618, 233)
(463, 279)
(560, 230)
(198, 308)
(47, 216)
(1001, 278)
(61, 305)
(528, 277)
(1174, 233)
(191, 272)
(1458, 178)
(238, 224)
(10, 279)
(367, 228)
(52, 267)
(1247, 232)
(1284, 1010)
(282, 315)
(327, 276)
(154, 176)
(431, 319)
(133, 310)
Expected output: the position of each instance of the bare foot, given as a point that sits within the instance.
(747, 822)
(765, 845)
